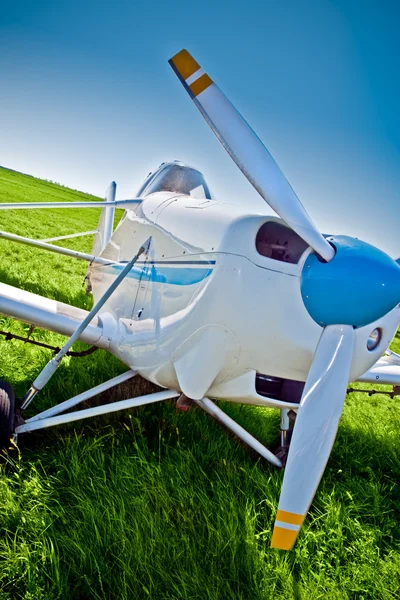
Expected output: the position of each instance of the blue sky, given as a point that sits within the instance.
(87, 96)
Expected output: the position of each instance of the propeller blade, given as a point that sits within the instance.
(247, 150)
(314, 431)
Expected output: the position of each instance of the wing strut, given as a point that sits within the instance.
(54, 363)
(31, 205)
(57, 249)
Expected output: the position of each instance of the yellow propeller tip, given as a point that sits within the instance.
(283, 539)
(184, 63)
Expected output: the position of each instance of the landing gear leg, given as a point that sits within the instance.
(288, 417)
(285, 424)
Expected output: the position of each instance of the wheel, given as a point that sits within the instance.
(7, 409)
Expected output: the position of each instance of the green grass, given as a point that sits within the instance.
(157, 504)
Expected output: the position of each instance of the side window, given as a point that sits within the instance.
(278, 242)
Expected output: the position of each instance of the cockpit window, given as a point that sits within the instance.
(280, 243)
(179, 179)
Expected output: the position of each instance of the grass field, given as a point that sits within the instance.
(163, 505)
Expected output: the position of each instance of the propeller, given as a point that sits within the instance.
(248, 152)
(315, 430)
(334, 294)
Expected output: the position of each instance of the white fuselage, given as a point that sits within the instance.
(204, 312)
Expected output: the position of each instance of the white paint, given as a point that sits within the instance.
(49, 314)
(98, 389)
(195, 76)
(106, 221)
(211, 337)
(317, 418)
(96, 411)
(385, 370)
(256, 163)
(287, 525)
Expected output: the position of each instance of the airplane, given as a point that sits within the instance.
(215, 301)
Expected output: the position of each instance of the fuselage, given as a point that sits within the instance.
(215, 299)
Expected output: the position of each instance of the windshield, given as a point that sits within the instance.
(179, 179)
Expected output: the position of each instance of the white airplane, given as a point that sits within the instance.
(212, 300)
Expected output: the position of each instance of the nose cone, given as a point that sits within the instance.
(358, 286)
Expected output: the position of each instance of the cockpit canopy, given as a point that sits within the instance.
(176, 177)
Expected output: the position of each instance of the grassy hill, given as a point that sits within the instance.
(155, 504)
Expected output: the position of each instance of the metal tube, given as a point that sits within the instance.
(69, 236)
(54, 363)
(209, 406)
(44, 246)
(102, 204)
(285, 424)
(98, 389)
(96, 411)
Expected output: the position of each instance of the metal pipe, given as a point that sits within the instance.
(209, 406)
(102, 204)
(257, 400)
(96, 411)
(54, 363)
(44, 246)
(67, 404)
(69, 236)
(285, 424)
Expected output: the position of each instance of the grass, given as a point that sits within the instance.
(156, 504)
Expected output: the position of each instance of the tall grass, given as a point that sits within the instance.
(156, 504)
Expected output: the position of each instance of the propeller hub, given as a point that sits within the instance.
(359, 286)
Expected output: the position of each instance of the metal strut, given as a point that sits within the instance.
(394, 392)
(54, 363)
(104, 409)
(11, 336)
(213, 410)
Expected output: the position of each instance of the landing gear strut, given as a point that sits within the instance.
(288, 417)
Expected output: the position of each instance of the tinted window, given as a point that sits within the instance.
(280, 243)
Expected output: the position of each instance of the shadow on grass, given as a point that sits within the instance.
(200, 491)
(357, 451)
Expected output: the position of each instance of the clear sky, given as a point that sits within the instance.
(87, 96)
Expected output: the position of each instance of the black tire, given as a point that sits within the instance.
(7, 410)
